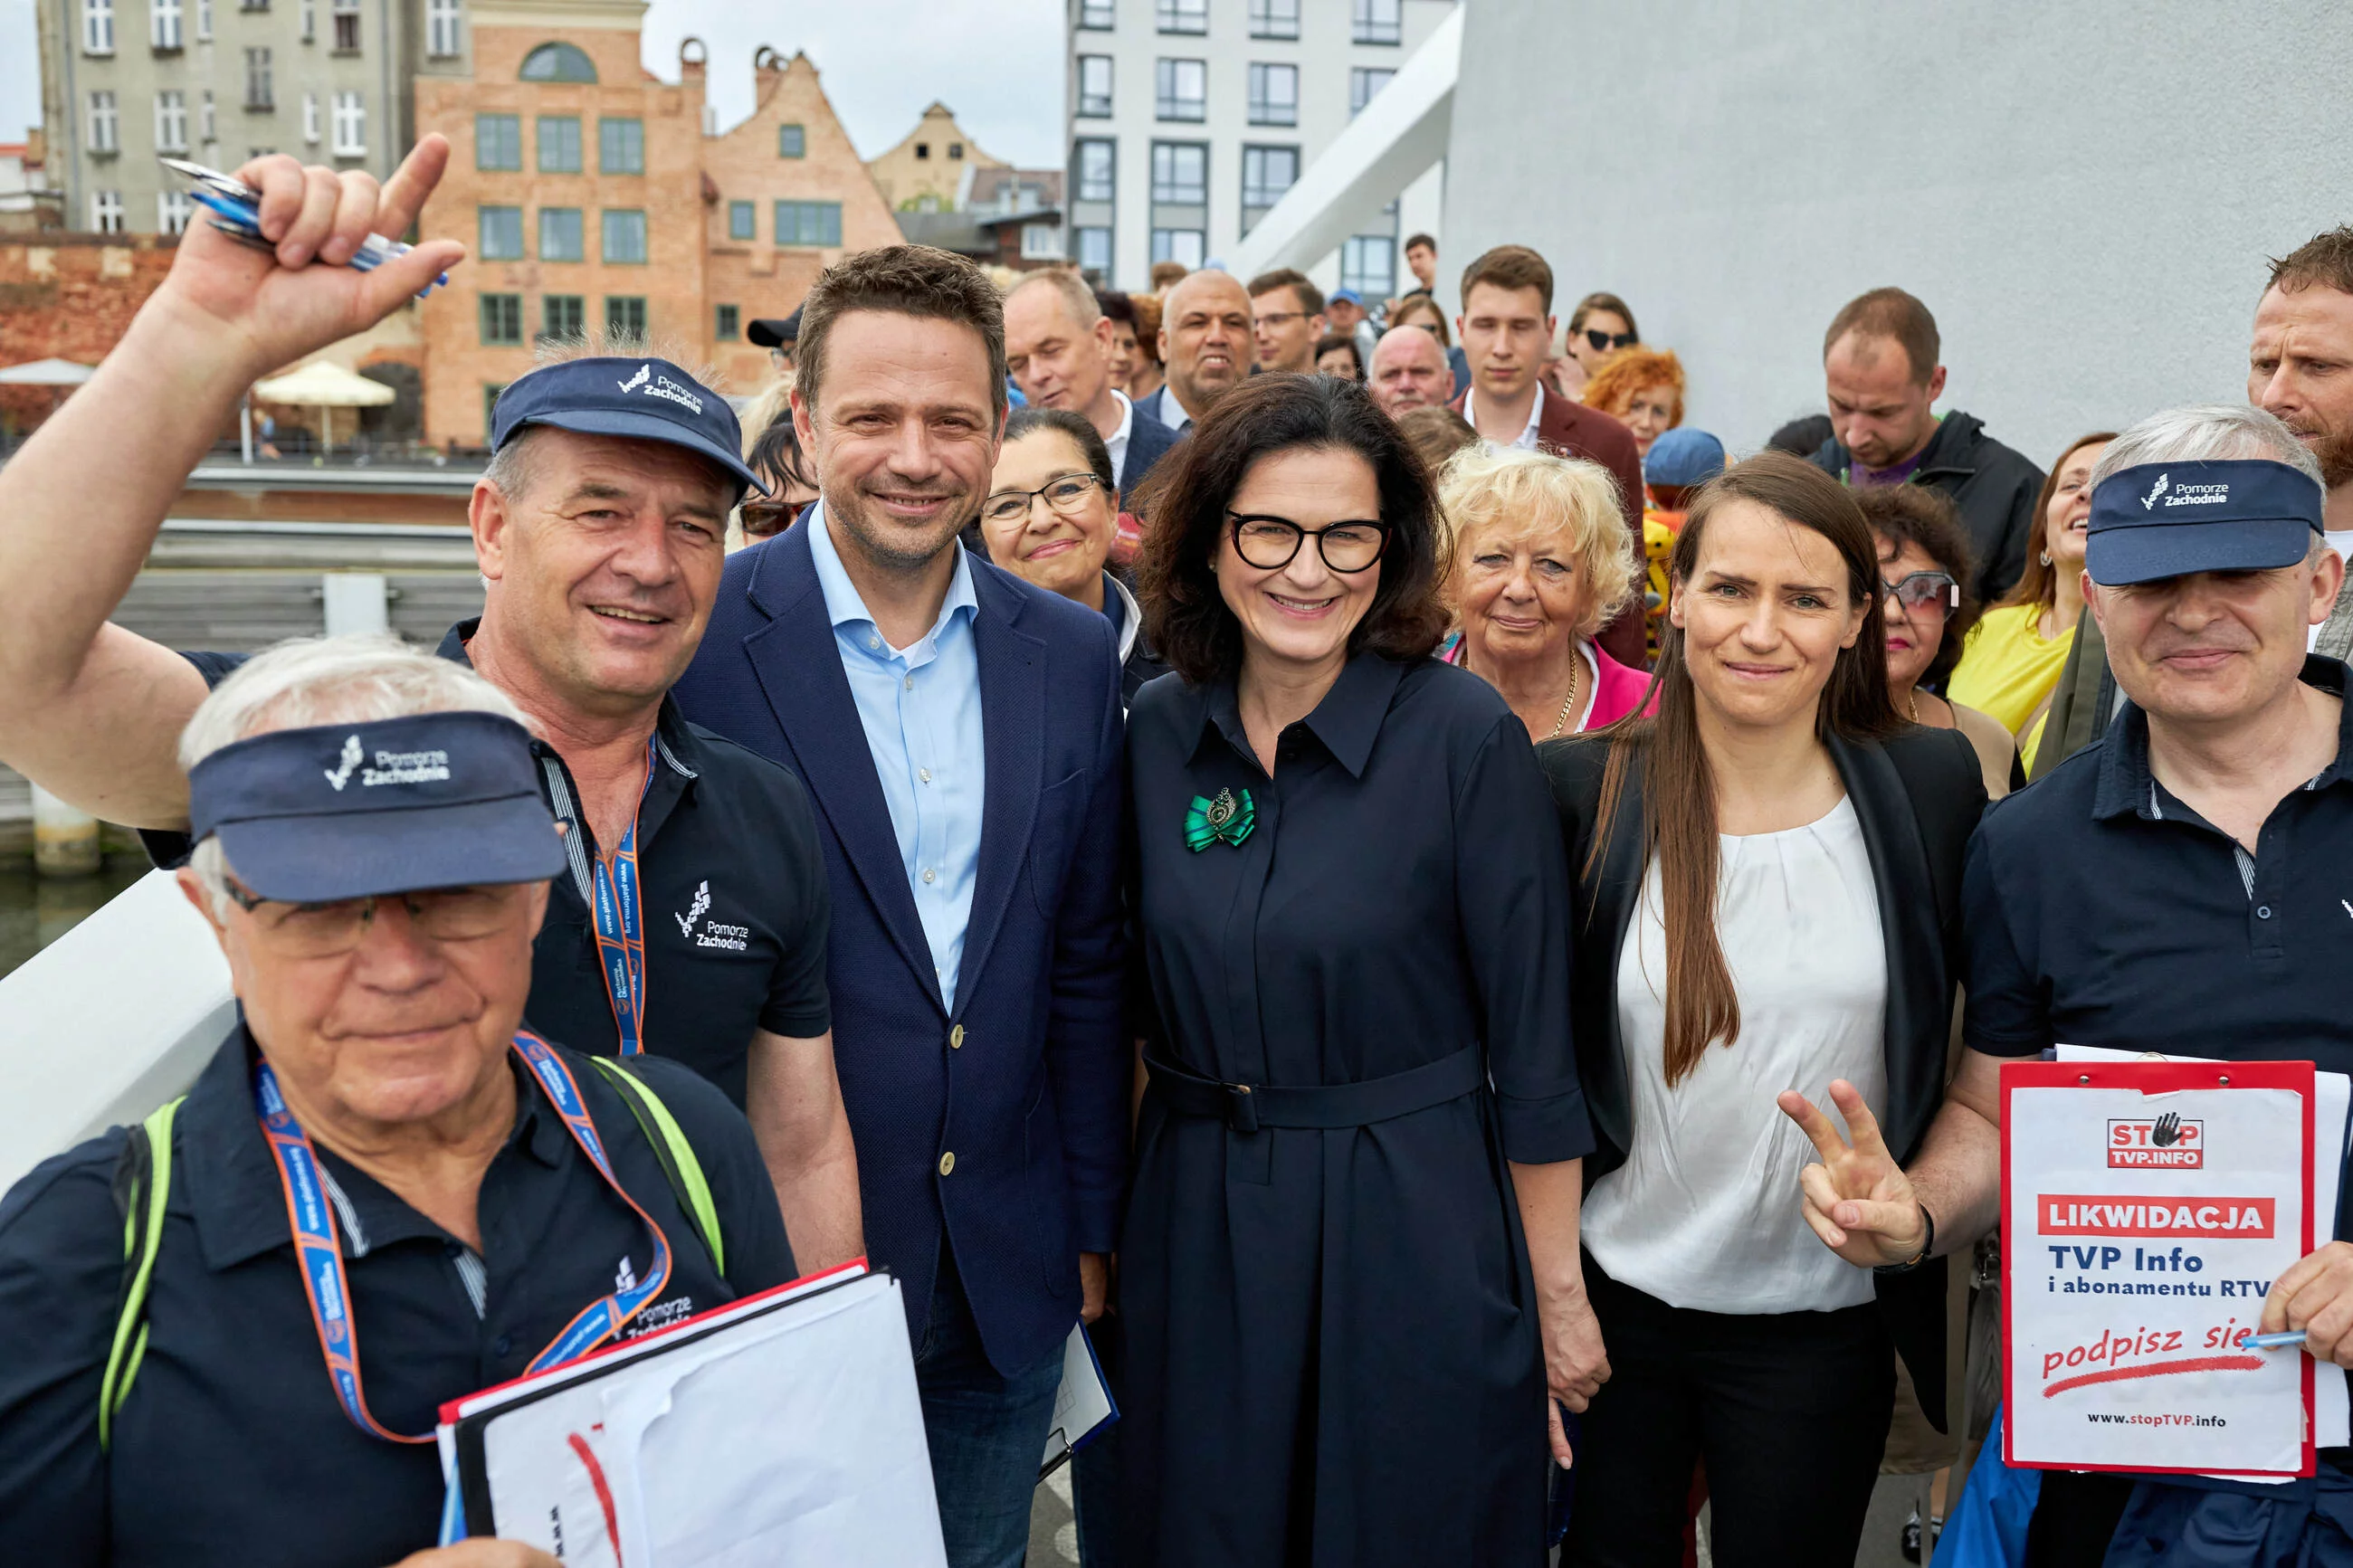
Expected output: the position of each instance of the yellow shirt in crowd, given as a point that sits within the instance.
(2008, 668)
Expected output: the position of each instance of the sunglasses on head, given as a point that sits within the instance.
(1604, 342)
(1925, 590)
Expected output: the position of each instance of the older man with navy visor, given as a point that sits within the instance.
(374, 856)
(2178, 886)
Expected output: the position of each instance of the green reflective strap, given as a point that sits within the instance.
(143, 1234)
(676, 1154)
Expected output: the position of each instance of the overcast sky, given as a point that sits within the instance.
(997, 65)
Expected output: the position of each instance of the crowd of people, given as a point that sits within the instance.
(1353, 853)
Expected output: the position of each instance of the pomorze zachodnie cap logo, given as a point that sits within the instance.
(2184, 495)
(391, 767)
(653, 386)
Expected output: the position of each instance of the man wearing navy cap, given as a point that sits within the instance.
(2178, 886)
(381, 1157)
(690, 920)
(779, 336)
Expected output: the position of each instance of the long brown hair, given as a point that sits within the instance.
(1679, 817)
(2040, 585)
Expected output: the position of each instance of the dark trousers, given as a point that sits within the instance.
(1789, 1410)
(986, 1430)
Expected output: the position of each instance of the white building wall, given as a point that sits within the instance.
(1324, 53)
(2083, 195)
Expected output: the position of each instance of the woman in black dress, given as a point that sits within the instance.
(1363, 1114)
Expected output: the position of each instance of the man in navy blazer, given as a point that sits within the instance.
(960, 736)
(1058, 351)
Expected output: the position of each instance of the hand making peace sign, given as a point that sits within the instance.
(1858, 1200)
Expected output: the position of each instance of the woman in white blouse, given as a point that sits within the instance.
(1768, 874)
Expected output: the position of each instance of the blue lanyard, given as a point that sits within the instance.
(620, 927)
(320, 1251)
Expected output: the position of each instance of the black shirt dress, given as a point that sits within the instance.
(1332, 1329)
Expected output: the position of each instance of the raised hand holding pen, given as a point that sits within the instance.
(1858, 1200)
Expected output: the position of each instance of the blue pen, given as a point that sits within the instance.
(236, 210)
(2271, 1342)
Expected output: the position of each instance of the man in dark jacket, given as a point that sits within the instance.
(1880, 359)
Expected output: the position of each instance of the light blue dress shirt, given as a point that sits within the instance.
(921, 707)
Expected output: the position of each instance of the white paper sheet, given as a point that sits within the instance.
(1081, 1404)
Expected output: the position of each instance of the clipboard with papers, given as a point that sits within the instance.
(785, 1428)
(1084, 1407)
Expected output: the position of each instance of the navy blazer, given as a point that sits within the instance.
(1148, 441)
(1027, 1081)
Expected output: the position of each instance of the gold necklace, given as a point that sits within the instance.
(1912, 701)
(1576, 673)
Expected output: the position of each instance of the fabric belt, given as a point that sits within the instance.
(1247, 1107)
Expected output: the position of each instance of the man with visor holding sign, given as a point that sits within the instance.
(691, 918)
(2180, 887)
(230, 1329)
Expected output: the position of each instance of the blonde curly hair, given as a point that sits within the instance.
(1507, 495)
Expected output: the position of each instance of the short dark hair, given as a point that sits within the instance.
(1310, 297)
(1185, 617)
(1602, 300)
(908, 280)
(1916, 514)
(777, 455)
(1435, 431)
(2325, 258)
(1510, 266)
(1426, 241)
(1167, 272)
(1331, 341)
(1116, 305)
(1030, 419)
(1891, 313)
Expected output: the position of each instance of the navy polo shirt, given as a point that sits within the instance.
(2099, 910)
(736, 903)
(232, 1450)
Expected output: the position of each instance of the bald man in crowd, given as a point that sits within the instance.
(1208, 343)
(1410, 371)
(1058, 347)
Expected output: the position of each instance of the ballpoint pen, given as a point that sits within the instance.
(2271, 1342)
(236, 210)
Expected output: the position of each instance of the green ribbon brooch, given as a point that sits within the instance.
(1208, 821)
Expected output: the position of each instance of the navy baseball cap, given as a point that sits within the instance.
(341, 811)
(774, 331)
(2169, 519)
(1684, 457)
(646, 399)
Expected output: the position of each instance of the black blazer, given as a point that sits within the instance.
(1918, 795)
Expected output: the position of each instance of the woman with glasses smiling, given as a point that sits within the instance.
(1350, 1258)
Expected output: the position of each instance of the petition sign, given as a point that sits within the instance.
(2147, 1208)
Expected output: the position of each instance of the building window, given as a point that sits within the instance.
(559, 143)
(625, 316)
(1098, 171)
(172, 122)
(743, 221)
(1184, 15)
(1097, 16)
(1267, 172)
(311, 118)
(956, 150)
(1274, 95)
(728, 326)
(208, 120)
(164, 24)
(257, 94)
(562, 315)
(351, 125)
(558, 62)
(105, 123)
(310, 20)
(1094, 252)
(97, 31)
(1363, 81)
(1095, 87)
(1379, 22)
(1183, 245)
(1180, 175)
(922, 151)
(106, 211)
(792, 141)
(501, 233)
(1368, 265)
(498, 142)
(1042, 242)
(1274, 18)
(204, 21)
(171, 208)
(1182, 89)
(253, 5)
(347, 27)
(441, 39)
(625, 234)
(808, 223)
(501, 321)
(621, 146)
(560, 235)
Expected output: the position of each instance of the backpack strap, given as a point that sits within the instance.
(676, 1154)
(143, 1185)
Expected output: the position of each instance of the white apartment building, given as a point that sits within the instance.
(1189, 118)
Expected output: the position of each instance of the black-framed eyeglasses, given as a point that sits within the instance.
(332, 929)
(1066, 495)
(1604, 342)
(1922, 590)
(1269, 543)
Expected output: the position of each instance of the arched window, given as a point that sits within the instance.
(558, 62)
